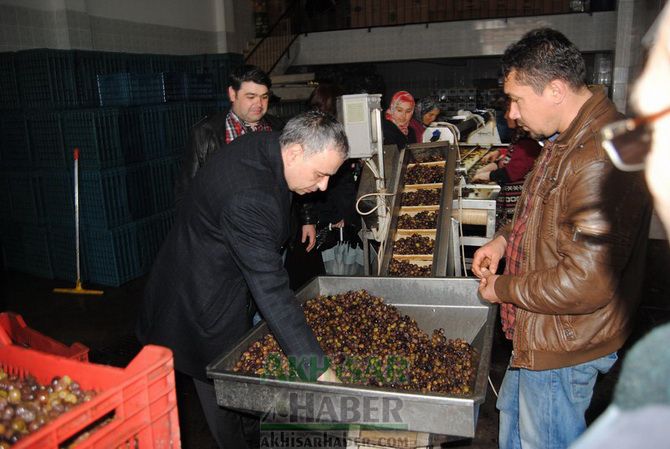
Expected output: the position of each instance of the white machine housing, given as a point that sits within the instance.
(361, 116)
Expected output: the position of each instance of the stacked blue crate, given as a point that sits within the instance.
(25, 236)
(9, 91)
(46, 139)
(131, 129)
(46, 78)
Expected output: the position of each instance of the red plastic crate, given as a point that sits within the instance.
(140, 399)
(15, 331)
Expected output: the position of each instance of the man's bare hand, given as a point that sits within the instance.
(329, 376)
(309, 235)
(487, 287)
(488, 256)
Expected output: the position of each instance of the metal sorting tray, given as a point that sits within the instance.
(448, 303)
(443, 228)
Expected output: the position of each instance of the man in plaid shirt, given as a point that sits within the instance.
(249, 93)
(574, 250)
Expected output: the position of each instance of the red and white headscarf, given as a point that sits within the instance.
(400, 96)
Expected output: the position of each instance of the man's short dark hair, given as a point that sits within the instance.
(246, 73)
(315, 131)
(543, 55)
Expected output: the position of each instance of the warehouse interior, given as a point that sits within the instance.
(124, 81)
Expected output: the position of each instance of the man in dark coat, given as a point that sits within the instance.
(226, 242)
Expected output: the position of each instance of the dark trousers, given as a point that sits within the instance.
(301, 265)
(230, 429)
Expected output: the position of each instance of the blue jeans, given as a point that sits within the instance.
(545, 409)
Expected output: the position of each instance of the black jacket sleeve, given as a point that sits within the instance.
(253, 236)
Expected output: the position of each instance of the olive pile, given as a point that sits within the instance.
(404, 269)
(422, 220)
(429, 158)
(422, 197)
(414, 244)
(26, 405)
(371, 343)
(424, 174)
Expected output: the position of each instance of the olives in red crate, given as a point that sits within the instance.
(26, 405)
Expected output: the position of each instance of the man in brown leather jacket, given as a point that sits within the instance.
(574, 251)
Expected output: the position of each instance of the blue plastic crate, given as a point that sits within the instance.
(176, 134)
(174, 86)
(143, 133)
(96, 132)
(25, 197)
(36, 247)
(151, 234)
(199, 87)
(193, 113)
(15, 149)
(192, 64)
(140, 191)
(26, 249)
(138, 63)
(114, 89)
(210, 108)
(146, 89)
(5, 198)
(58, 197)
(103, 198)
(46, 139)
(164, 173)
(9, 91)
(62, 252)
(112, 256)
(165, 63)
(46, 78)
(131, 89)
(220, 66)
(133, 137)
(90, 64)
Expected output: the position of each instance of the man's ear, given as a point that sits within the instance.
(558, 89)
(294, 153)
(232, 95)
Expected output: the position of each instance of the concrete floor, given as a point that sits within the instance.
(105, 324)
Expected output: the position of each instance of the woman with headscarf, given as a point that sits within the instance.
(425, 112)
(395, 126)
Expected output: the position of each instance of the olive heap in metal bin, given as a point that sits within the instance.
(429, 158)
(26, 405)
(371, 343)
(404, 269)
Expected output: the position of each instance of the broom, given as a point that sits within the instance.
(78, 289)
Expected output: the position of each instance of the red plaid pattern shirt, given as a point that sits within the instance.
(514, 250)
(235, 127)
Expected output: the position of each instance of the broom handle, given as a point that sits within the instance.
(76, 211)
